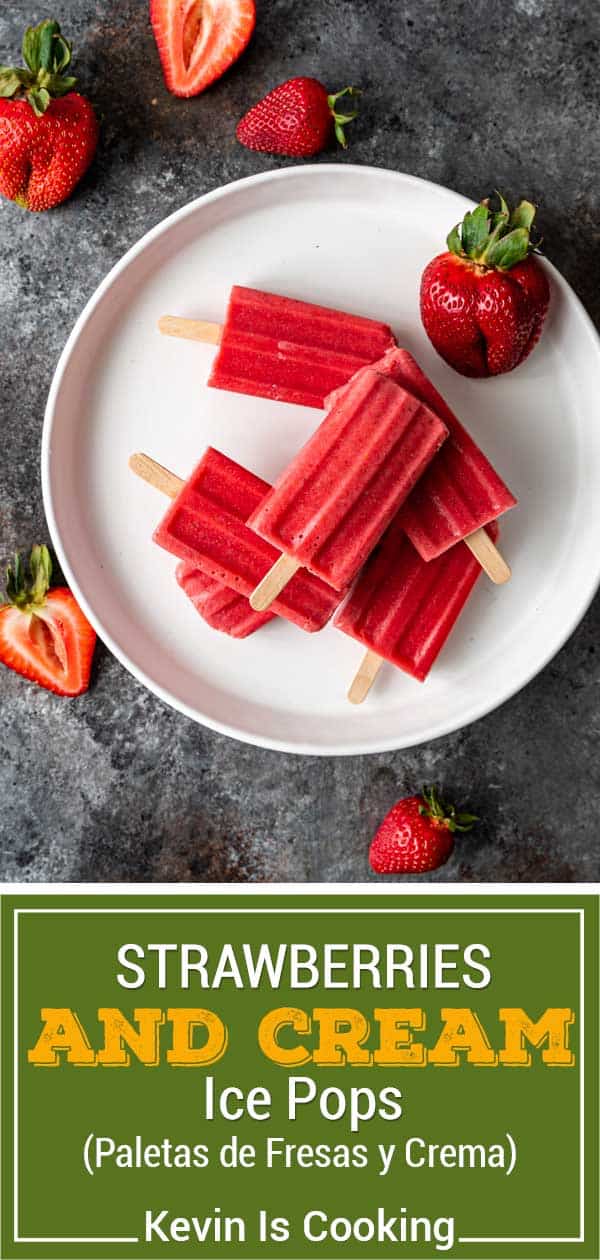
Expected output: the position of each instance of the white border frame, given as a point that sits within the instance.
(290, 890)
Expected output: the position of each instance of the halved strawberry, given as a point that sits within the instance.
(199, 39)
(43, 634)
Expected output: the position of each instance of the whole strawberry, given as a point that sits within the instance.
(483, 303)
(43, 633)
(297, 119)
(417, 835)
(48, 133)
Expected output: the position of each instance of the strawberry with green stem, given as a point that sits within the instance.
(484, 301)
(48, 132)
(43, 633)
(297, 119)
(417, 835)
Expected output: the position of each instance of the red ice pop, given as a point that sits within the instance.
(280, 348)
(333, 502)
(461, 491)
(206, 525)
(219, 606)
(403, 608)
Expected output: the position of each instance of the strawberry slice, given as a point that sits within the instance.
(199, 39)
(43, 633)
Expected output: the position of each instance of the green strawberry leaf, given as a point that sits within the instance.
(475, 230)
(11, 80)
(46, 53)
(444, 814)
(54, 50)
(39, 99)
(62, 54)
(510, 249)
(31, 48)
(494, 237)
(523, 215)
(453, 240)
(59, 85)
(340, 120)
(29, 592)
(47, 31)
(504, 210)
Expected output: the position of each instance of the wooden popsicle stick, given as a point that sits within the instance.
(156, 475)
(273, 582)
(486, 552)
(365, 677)
(168, 483)
(191, 329)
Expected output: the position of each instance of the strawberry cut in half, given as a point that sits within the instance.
(43, 633)
(198, 40)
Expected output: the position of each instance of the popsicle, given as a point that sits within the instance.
(280, 348)
(206, 525)
(335, 499)
(461, 491)
(403, 608)
(220, 607)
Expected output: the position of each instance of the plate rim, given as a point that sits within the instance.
(437, 730)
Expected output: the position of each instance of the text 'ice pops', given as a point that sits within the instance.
(220, 607)
(281, 348)
(333, 502)
(206, 525)
(403, 608)
(461, 491)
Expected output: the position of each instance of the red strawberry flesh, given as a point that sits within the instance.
(198, 41)
(44, 636)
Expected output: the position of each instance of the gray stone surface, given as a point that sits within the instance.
(116, 786)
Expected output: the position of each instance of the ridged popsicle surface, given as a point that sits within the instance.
(206, 524)
(461, 490)
(280, 348)
(337, 496)
(220, 607)
(403, 607)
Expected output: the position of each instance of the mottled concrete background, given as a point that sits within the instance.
(116, 786)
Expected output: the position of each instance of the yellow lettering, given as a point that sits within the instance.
(183, 1052)
(343, 1031)
(396, 1045)
(552, 1027)
(268, 1035)
(462, 1031)
(118, 1033)
(62, 1031)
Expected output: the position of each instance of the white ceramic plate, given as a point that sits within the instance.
(355, 238)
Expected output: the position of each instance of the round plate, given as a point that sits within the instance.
(356, 238)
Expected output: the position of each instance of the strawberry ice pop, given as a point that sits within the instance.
(461, 491)
(280, 348)
(220, 607)
(403, 608)
(333, 502)
(206, 525)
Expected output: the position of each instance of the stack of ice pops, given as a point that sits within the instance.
(388, 510)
